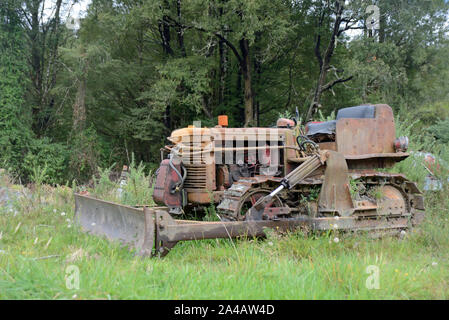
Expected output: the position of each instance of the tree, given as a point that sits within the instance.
(15, 116)
(401, 64)
(44, 35)
(248, 19)
(341, 19)
(21, 151)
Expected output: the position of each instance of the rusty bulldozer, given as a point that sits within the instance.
(323, 176)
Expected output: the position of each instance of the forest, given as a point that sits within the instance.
(75, 97)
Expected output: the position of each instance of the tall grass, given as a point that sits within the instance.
(34, 260)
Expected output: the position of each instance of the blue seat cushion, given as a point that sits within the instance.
(328, 127)
(359, 112)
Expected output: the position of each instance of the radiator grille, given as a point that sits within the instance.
(196, 177)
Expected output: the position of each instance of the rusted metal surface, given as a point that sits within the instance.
(366, 143)
(354, 224)
(270, 210)
(335, 196)
(399, 156)
(328, 146)
(367, 136)
(418, 217)
(149, 236)
(112, 220)
(397, 179)
(166, 191)
(173, 232)
(153, 232)
(224, 179)
(231, 202)
(234, 197)
(305, 169)
(392, 201)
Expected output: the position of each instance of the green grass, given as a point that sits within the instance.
(281, 267)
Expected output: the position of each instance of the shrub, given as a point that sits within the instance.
(440, 131)
(433, 113)
(84, 155)
(44, 154)
(414, 166)
(134, 190)
(104, 187)
(137, 190)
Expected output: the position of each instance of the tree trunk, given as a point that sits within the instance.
(315, 104)
(79, 107)
(36, 54)
(223, 51)
(164, 31)
(167, 118)
(324, 62)
(248, 90)
(180, 30)
(382, 24)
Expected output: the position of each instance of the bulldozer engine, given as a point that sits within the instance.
(322, 176)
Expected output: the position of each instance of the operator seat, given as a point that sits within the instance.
(325, 131)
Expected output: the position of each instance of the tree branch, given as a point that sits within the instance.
(333, 83)
(217, 34)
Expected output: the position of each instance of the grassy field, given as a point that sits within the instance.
(40, 245)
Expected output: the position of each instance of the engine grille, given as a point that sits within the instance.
(196, 177)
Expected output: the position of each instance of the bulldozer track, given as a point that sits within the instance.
(231, 201)
(228, 207)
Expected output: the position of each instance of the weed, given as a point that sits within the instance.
(322, 118)
(375, 193)
(137, 189)
(104, 187)
(353, 188)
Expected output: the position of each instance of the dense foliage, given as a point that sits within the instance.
(74, 100)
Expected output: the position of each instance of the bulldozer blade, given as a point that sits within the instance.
(134, 227)
(153, 232)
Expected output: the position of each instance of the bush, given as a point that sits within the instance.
(433, 113)
(440, 131)
(44, 154)
(413, 166)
